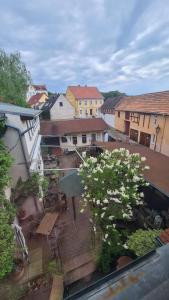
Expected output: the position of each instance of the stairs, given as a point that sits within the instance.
(78, 268)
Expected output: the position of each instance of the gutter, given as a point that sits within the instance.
(22, 145)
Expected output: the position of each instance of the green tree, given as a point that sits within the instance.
(7, 213)
(14, 79)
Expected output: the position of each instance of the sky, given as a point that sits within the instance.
(112, 44)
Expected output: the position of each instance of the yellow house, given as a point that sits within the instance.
(38, 100)
(145, 119)
(86, 100)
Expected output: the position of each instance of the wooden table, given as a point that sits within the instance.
(46, 225)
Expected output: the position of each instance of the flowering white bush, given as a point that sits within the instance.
(111, 188)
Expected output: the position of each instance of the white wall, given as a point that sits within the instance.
(69, 144)
(31, 142)
(66, 111)
(108, 118)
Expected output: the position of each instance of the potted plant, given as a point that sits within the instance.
(21, 214)
(18, 269)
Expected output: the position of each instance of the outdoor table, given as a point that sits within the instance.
(48, 222)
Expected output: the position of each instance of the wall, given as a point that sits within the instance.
(71, 99)
(67, 111)
(31, 146)
(109, 119)
(84, 106)
(147, 124)
(69, 144)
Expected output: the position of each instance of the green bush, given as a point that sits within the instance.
(143, 241)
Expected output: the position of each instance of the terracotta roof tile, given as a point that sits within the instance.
(35, 99)
(164, 237)
(86, 92)
(59, 128)
(39, 87)
(157, 103)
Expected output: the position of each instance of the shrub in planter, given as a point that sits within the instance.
(142, 241)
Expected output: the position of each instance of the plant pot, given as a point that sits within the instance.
(19, 270)
(22, 215)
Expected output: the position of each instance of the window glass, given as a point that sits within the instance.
(84, 138)
(85, 102)
(80, 102)
(64, 139)
(74, 140)
(90, 101)
(118, 114)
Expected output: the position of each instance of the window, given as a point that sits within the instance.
(135, 118)
(90, 101)
(74, 140)
(85, 102)
(118, 114)
(84, 138)
(86, 112)
(80, 102)
(96, 102)
(91, 112)
(80, 112)
(64, 139)
(127, 115)
(60, 104)
(93, 137)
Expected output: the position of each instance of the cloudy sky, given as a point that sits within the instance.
(113, 44)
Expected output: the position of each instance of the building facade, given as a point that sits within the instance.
(62, 109)
(107, 110)
(35, 89)
(23, 140)
(37, 101)
(86, 100)
(68, 134)
(145, 119)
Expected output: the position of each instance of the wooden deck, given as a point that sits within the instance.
(57, 288)
(47, 223)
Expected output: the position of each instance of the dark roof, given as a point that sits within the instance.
(110, 104)
(18, 110)
(145, 278)
(50, 102)
(86, 92)
(60, 128)
(155, 103)
(158, 174)
(35, 99)
(70, 184)
(39, 87)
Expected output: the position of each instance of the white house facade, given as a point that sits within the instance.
(23, 140)
(62, 109)
(69, 134)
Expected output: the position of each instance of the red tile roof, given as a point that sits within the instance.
(158, 174)
(157, 103)
(35, 99)
(85, 92)
(39, 87)
(59, 128)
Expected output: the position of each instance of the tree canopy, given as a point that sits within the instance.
(14, 78)
(112, 94)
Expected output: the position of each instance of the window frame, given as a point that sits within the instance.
(84, 138)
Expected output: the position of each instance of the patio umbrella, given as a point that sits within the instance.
(71, 184)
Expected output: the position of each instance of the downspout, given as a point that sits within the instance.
(22, 145)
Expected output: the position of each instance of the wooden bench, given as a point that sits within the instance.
(57, 288)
